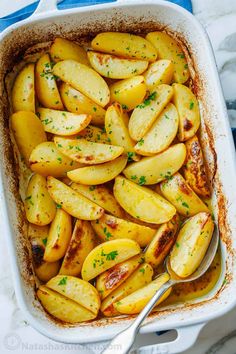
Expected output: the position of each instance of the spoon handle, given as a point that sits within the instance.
(122, 342)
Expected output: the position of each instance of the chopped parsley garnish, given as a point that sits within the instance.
(177, 244)
(58, 206)
(142, 180)
(141, 142)
(107, 233)
(130, 156)
(124, 106)
(91, 188)
(191, 105)
(148, 100)
(63, 281)
(45, 240)
(185, 205)
(134, 177)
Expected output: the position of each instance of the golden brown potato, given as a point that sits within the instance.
(98, 174)
(40, 209)
(194, 168)
(94, 134)
(161, 134)
(191, 244)
(107, 255)
(84, 151)
(28, 132)
(45, 84)
(72, 202)
(154, 169)
(84, 79)
(188, 110)
(179, 194)
(129, 92)
(58, 237)
(62, 122)
(77, 102)
(23, 92)
(109, 227)
(125, 45)
(136, 301)
(150, 108)
(160, 72)
(46, 160)
(138, 279)
(162, 242)
(38, 239)
(115, 276)
(141, 202)
(168, 48)
(82, 242)
(63, 49)
(100, 195)
(116, 68)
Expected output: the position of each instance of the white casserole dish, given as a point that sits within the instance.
(133, 16)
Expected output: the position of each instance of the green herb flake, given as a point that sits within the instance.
(45, 240)
(63, 281)
(91, 188)
(130, 156)
(148, 100)
(142, 180)
(134, 177)
(58, 206)
(141, 142)
(177, 244)
(185, 205)
(191, 105)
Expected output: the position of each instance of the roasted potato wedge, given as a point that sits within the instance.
(194, 168)
(161, 134)
(40, 209)
(168, 48)
(63, 49)
(28, 132)
(38, 239)
(94, 134)
(118, 131)
(162, 242)
(154, 169)
(188, 110)
(141, 202)
(107, 255)
(23, 91)
(160, 72)
(62, 307)
(72, 202)
(191, 244)
(84, 79)
(62, 122)
(84, 151)
(77, 290)
(150, 108)
(98, 174)
(45, 84)
(82, 242)
(125, 45)
(115, 276)
(129, 92)
(109, 227)
(47, 160)
(179, 193)
(138, 279)
(116, 68)
(58, 237)
(77, 102)
(135, 302)
(100, 195)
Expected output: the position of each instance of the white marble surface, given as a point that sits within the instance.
(219, 19)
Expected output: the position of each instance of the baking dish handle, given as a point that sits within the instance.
(186, 338)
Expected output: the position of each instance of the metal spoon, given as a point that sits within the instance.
(122, 342)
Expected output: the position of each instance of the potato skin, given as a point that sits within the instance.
(159, 72)
(45, 84)
(178, 192)
(136, 301)
(138, 279)
(194, 168)
(81, 243)
(28, 132)
(191, 244)
(58, 237)
(115, 276)
(162, 242)
(40, 209)
(23, 91)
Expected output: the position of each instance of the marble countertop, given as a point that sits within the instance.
(218, 336)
